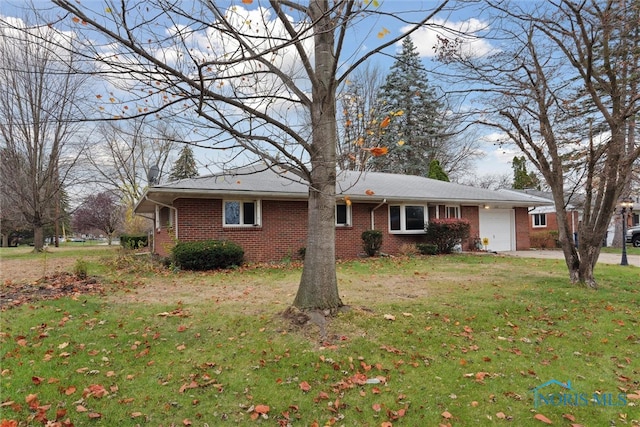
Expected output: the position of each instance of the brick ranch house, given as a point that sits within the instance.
(266, 212)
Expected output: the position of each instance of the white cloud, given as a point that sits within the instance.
(468, 32)
(497, 157)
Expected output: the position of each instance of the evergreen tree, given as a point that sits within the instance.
(185, 166)
(409, 118)
(436, 171)
(521, 178)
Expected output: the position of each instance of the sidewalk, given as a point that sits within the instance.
(604, 258)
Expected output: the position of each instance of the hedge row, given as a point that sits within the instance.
(207, 255)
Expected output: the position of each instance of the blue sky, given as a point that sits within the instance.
(496, 160)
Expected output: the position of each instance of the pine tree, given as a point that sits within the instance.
(414, 134)
(521, 178)
(436, 171)
(185, 165)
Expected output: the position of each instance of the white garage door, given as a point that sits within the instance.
(499, 226)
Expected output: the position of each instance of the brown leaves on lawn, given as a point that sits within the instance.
(49, 287)
(542, 418)
(259, 411)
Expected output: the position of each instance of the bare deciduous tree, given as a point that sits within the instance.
(262, 79)
(40, 88)
(566, 64)
(127, 151)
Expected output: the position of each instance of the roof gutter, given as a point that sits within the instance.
(373, 222)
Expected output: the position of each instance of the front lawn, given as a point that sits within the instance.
(459, 340)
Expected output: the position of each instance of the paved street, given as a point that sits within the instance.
(553, 254)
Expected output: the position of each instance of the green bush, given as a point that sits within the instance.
(134, 241)
(445, 234)
(427, 248)
(207, 255)
(371, 241)
(80, 268)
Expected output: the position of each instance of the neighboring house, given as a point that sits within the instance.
(266, 212)
(543, 222)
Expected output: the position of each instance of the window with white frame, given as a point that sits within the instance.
(343, 215)
(452, 211)
(539, 220)
(241, 213)
(407, 218)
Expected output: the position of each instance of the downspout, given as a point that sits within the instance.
(373, 223)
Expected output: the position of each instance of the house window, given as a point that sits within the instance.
(241, 213)
(343, 215)
(407, 218)
(166, 219)
(452, 211)
(540, 220)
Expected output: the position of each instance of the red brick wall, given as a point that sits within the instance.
(522, 229)
(284, 227)
(552, 222)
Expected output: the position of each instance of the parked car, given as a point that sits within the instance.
(633, 236)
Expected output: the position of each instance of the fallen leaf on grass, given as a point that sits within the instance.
(95, 390)
(447, 415)
(259, 410)
(186, 386)
(389, 317)
(542, 418)
(304, 386)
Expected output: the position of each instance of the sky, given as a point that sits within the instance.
(496, 160)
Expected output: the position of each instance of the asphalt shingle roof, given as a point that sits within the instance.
(359, 186)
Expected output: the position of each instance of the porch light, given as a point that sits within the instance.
(626, 206)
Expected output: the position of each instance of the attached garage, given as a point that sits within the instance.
(499, 226)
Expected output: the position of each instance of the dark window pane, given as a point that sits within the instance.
(394, 217)
(414, 217)
(249, 209)
(341, 214)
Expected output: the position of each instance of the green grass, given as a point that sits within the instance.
(66, 250)
(630, 250)
(471, 337)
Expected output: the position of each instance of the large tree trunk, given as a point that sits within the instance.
(319, 284)
(38, 238)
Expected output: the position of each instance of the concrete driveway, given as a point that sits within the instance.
(552, 254)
